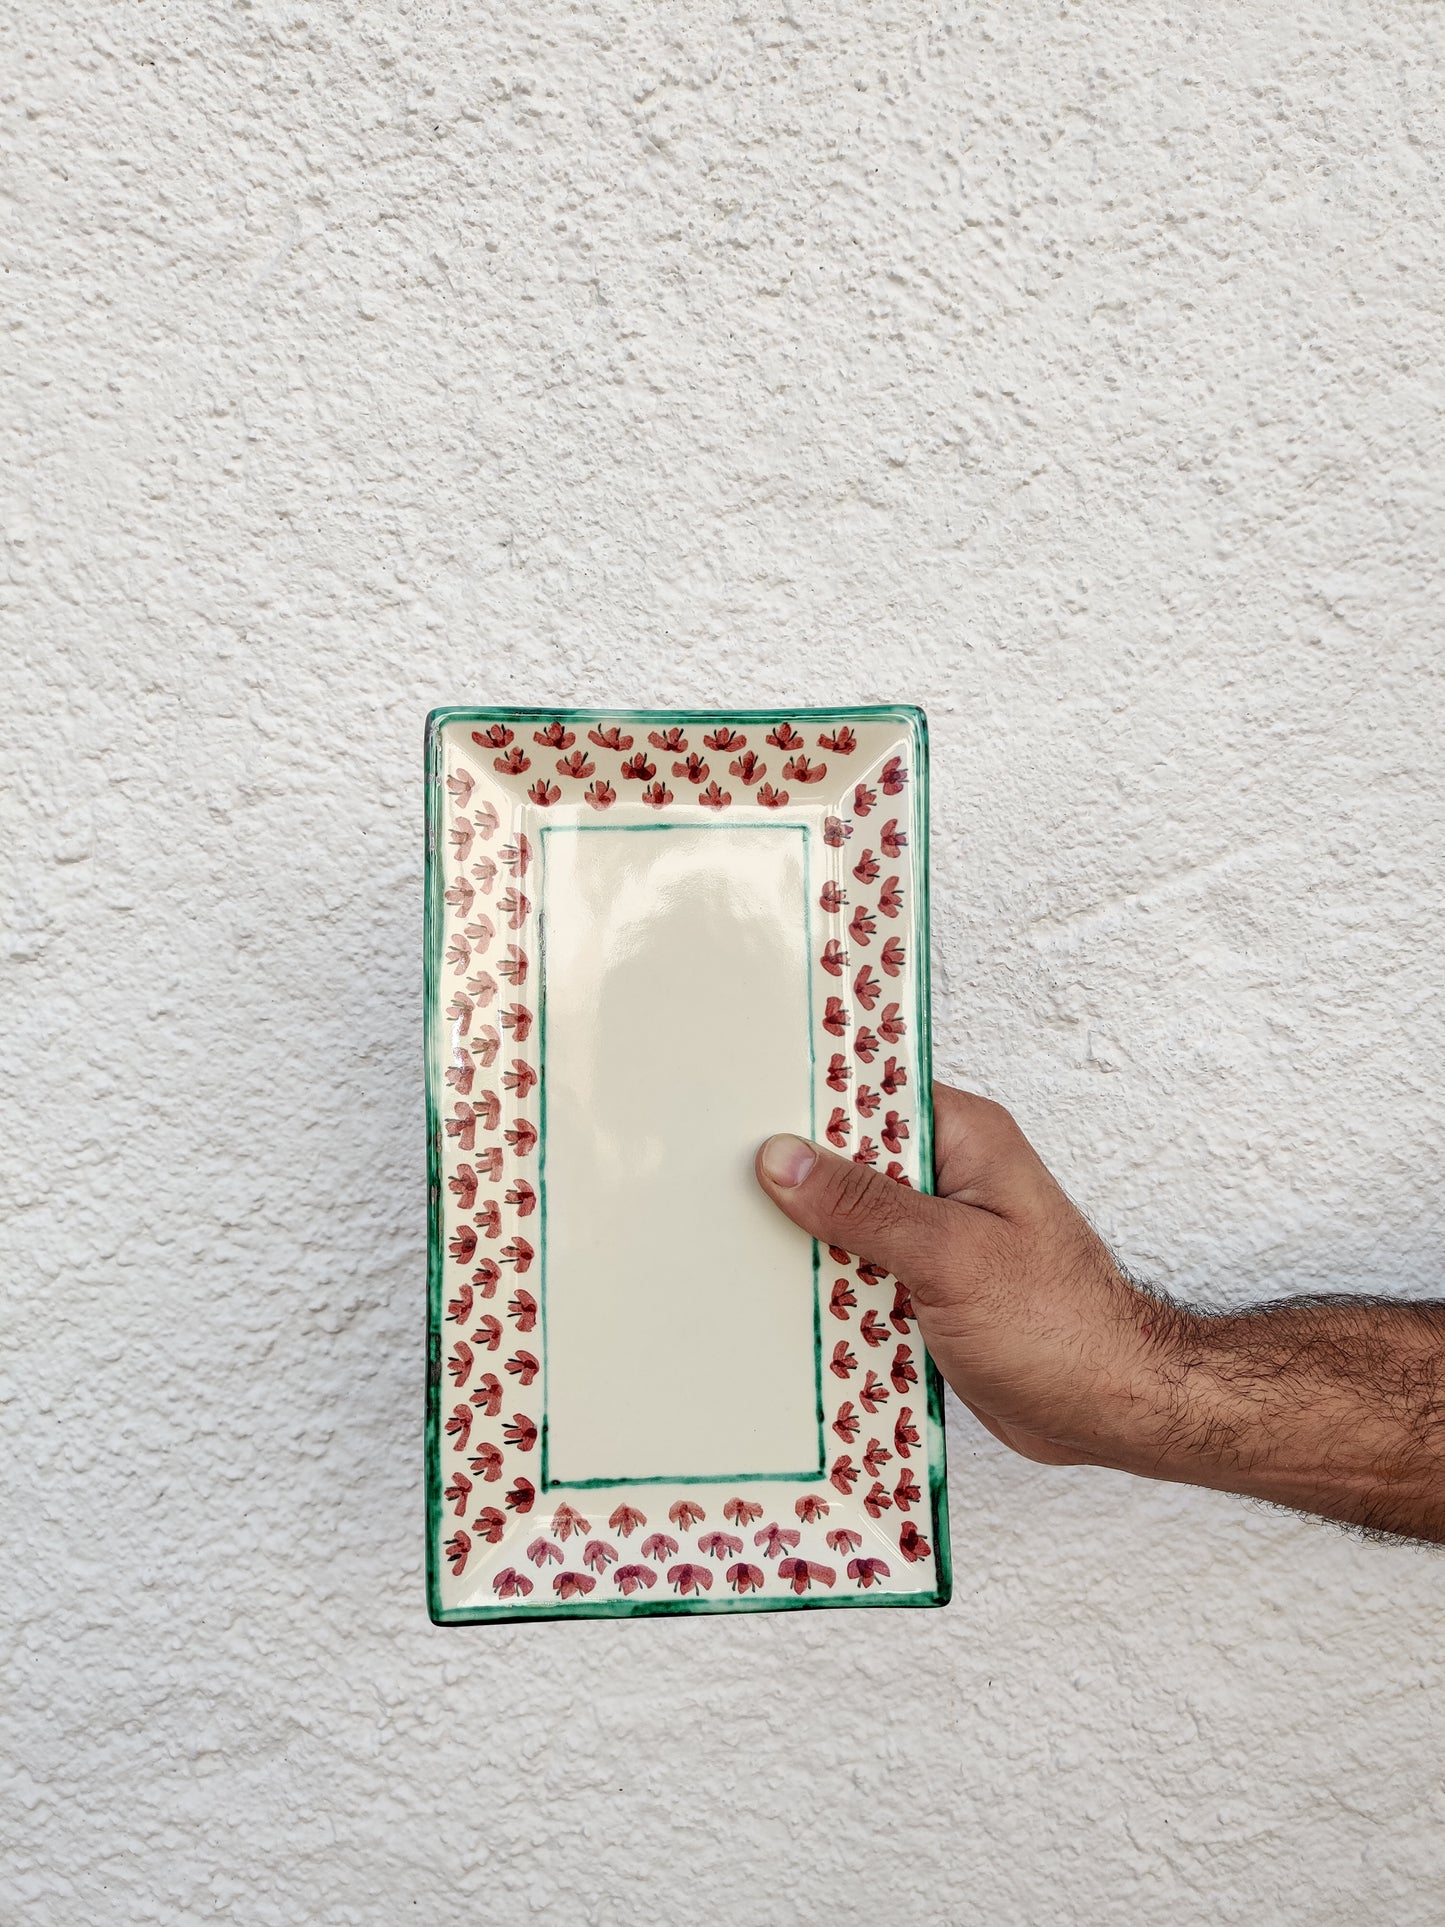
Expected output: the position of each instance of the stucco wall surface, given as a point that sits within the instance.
(1075, 372)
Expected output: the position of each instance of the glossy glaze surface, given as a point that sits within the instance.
(653, 939)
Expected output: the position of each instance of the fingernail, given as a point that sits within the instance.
(787, 1160)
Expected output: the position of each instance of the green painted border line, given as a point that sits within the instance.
(546, 1483)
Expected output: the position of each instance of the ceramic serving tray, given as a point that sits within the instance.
(652, 940)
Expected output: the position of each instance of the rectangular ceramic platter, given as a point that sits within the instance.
(653, 939)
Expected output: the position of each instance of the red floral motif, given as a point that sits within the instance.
(517, 856)
(911, 1542)
(541, 1550)
(841, 743)
(638, 770)
(456, 1550)
(524, 1367)
(894, 956)
(458, 1492)
(748, 768)
(686, 1514)
(609, 738)
(894, 776)
(775, 1539)
(867, 1100)
(772, 799)
(522, 1309)
(872, 1330)
(784, 736)
(843, 1298)
(488, 1396)
(834, 958)
(712, 798)
(810, 1509)
(687, 1578)
(520, 1078)
(521, 1432)
(835, 1017)
(725, 738)
(839, 1071)
(578, 765)
(903, 1371)
(600, 795)
(655, 796)
(513, 763)
(906, 1492)
(567, 1520)
(745, 1579)
(844, 1539)
(863, 800)
(523, 1197)
(894, 1077)
(866, 868)
(544, 793)
(671, 742)
(742, 1512)
(509, 1582)
(626, 1519)
(839, 1125)
(567, 1585)
(460, 784)
(865, 1044)
(513, 966)
(628, 1578)
(519, 1253)
(658, 1546)
(554, 736)
(843, 1473)
(874, 1392)
(890, 897)
(846, 1424)
(597, 1555)
(842, 1364)
(867, 1152)
(862, 926)
(490, 1525)
(833, 898)
(521, 1495)
(891, 840)
(803, 1573)
(866, 987)
(867, 1572)
(800, 770)
(836, 832)
(693, 770)
(719, 1545)
(521, 1136)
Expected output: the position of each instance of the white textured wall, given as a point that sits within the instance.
(1073, 371)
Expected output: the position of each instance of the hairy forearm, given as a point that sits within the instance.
(1334, 1407)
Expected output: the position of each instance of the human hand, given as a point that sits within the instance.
(1021, 1305)
(1335, 1407)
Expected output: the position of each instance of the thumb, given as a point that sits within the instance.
(847, 1204)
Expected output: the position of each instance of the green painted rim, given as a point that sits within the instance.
(917, 724)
